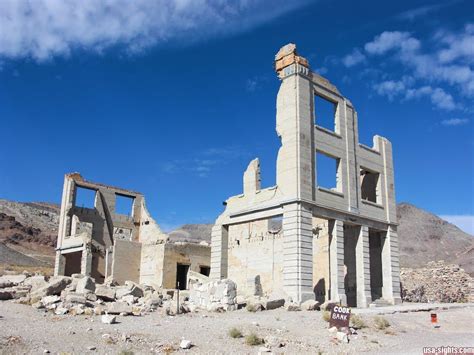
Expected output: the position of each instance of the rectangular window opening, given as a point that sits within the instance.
(124, 204)
(369, 185)
(205, 270)
(328, 172)
(85, 197)
(325, 113)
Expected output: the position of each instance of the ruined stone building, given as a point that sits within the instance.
(335, 242)
(101, 241)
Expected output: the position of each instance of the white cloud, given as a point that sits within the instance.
(403, 90)
(463, 222)
(354, 58)
(42, 29)
(412, 14)
(387, 41)
(455, 122)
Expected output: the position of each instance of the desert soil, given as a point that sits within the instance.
(24, 329)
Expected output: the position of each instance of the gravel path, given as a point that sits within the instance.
(24, 329)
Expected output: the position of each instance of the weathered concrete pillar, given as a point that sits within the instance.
(364, 296)
(336, 261)
(86, 260)
(59, 264)
(391, 267)
(219, 251)
(298, 252)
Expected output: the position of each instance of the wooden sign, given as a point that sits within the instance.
(340, 317)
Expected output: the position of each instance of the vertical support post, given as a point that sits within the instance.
(336, 261)
(219, 251)
(391, 267)
(298, 252)
(60, 264)
(364, 296)
(86, 262)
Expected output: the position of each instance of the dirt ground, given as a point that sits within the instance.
(24, 329)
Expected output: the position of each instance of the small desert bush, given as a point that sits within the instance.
(357, 322)
(253, 339)
(235, 333)
(251, 307)
(381, 323)
(326, 316)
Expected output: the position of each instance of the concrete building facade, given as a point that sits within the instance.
(335, 242)
(105, 231)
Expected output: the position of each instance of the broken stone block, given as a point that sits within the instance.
(60, 310)
(48, 300)
(310, 305)
(6, 294)
(6, 283)
(98, 310)
(154, 300)
(121, 291)
(135, 289)
(274, 303)
(20, 291)
(342, 337)
(37, 305)
(118, 308)
(130, 299)
(14, 279)
(293, 307)
(90, 296)
(75, 298)
(105, 293)
(108, 319)
(85, 284)
(54, 286)
(35, 282)
(77, 310)
(185, 344)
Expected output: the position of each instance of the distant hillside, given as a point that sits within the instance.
(425, 237)
(30, 229)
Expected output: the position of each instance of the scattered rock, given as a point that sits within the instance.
(274, 303)
(6, 294)
(293, 307)
(108, 319)
(342, 337)
(185, 344)
(119, 307)
(105, 293)
(91, 348)
(311, 305)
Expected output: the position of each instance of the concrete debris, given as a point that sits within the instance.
(214, 295)
(311, 305)
(185, 344)
(105, 293)
(108, 319)
(342, 337)
(274, 303)
(85, 284)
(293, 307)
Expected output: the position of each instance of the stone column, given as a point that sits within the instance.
(336, 261)
(391, 267)
(86, 261)
(219, 252)
(298, 252)
(59, 264)
(364, 296)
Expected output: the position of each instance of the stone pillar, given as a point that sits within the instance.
(364, 296)
(59, 264)
(298, 252)
(391, 267)
(336, 261)
(219, 252)
(86, 262)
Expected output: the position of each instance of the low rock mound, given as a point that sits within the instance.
(437, 282)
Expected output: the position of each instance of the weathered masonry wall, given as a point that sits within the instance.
(98, 241)
(255, 257)
(325, 247)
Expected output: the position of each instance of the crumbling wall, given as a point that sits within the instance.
(194, 255)
(255, 257)
(152, 263)
(126, 261)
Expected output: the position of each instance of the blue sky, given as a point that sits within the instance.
(174, 98)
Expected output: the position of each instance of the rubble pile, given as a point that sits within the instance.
(80, 294)
(437, 282)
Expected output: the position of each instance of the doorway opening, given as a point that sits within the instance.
(375, 255)
(182, 276)
(73, 263)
